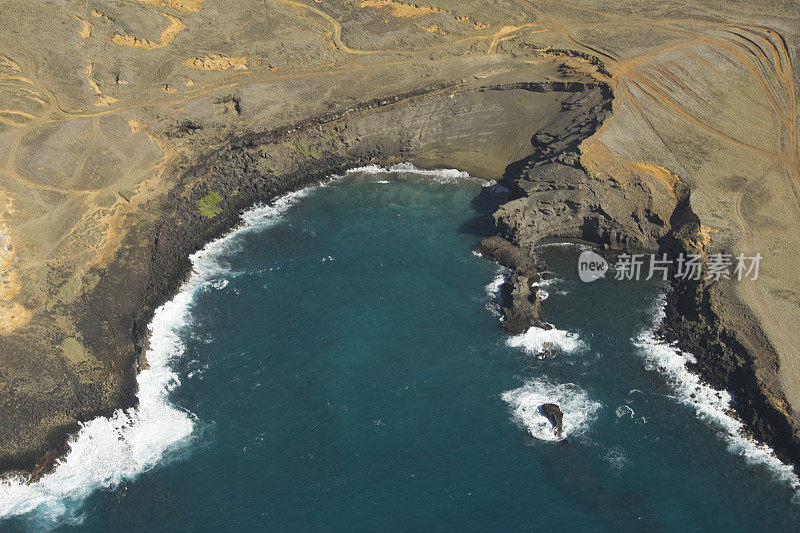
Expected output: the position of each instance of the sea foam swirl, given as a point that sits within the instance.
(493, 290)
(108, 451)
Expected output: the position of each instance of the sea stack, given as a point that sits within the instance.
(555, 416)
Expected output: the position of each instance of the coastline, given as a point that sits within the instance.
(736, 358)
(730, 356)
(232, 171)
(110, 450)
(259, 167)
(530, 392)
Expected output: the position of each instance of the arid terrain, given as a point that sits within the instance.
(132, 131)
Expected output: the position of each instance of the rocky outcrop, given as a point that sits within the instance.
(555, 198)
(562, 201)
(553, 413)
(508, 255)
(521, 303)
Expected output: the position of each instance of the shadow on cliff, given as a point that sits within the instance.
(485, 204)
(491, 198)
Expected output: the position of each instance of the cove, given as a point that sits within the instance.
(342, 366)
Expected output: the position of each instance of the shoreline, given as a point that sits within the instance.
(763, 424)
(715, 406)
(737, 362)
(110, 450)
(206, 269)
(663, 351)
(136, 438)
(232, 167)
(258, 167)
(723, 360)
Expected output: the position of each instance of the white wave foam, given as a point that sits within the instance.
(444, 175)
(579, 410)
(544, 282)
(566, 245)
(107, 451)
(367, 169)
(537, 340)
(493, 291)
(219, 284)
(711, 405)
(540, 285)
(264, 215)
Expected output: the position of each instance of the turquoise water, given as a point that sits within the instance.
(343, 368)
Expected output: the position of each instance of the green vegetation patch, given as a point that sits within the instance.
(209, 204)
(304, 150)
(75, 351)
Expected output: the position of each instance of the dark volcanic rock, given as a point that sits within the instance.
(508, 255)
(521, 302)
(558, 200)
(244, 168)
(740, 360)
(554, 198)
(521, 305)
(555, 416)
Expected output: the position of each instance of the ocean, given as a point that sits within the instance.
(338, 363)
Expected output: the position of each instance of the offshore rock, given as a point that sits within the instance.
(555, 416)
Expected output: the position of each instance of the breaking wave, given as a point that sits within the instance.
(537, 341)
(445, 175)
(108, 451)
(525, 402)
(493, 289)
(712, 406)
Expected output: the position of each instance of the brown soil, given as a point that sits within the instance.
(104, 148)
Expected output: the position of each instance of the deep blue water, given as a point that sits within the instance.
(350, 376)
